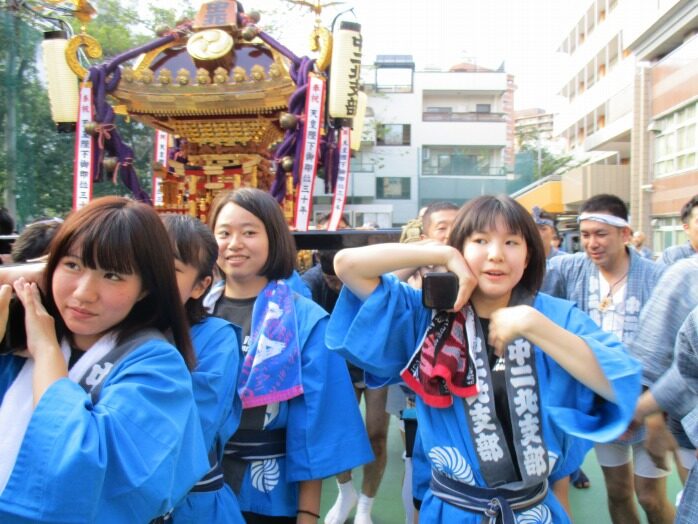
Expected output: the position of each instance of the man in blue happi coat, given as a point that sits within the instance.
(611, 283)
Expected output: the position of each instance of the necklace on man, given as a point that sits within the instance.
(607, 301)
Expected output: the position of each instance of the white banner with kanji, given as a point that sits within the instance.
(340, 189)
(314, 107)
(83, 164)
(159, 157)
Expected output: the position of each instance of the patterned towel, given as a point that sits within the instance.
(271, 371)
(443, 365)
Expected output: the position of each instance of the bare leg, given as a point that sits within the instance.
(561, 488)
(621, 494)
(377, 421)
(652, 496)
(683, 472)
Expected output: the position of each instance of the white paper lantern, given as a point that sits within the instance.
(345, 71)
(357, 126)
(62, 82)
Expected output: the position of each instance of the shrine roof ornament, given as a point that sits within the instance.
(231, 102)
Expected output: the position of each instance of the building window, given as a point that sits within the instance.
(433, 109)
(393, 188)
(393, 135)
(666, 232)
(461, 161)
(676, 147)
(483, 108)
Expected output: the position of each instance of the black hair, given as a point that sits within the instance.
(688, 208)
(325, 218)
(606, 203)
(326, 258)
(194, 245)
(282, 248)
(7, 227)
(482, 213)
(34, 240)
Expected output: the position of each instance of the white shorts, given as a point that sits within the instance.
(687, 457)
(615, 454)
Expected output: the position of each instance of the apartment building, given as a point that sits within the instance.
(534, 123)
(665, 126)
(429, 135)
(597, 82)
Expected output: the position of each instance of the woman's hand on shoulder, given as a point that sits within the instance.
(509, 323)
(40, 326)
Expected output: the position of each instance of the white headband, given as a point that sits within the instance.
(604, 218)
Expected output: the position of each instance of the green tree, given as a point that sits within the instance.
(36, 161)
(545, 162)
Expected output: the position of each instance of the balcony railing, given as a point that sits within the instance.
(463, 117)
(467, 171)
(394, 88)
(357, 167)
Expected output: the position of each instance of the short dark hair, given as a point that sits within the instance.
(481, 214)
(282, 248)
(326, 258)
(688, 208)
(325, 218)
(194, 245)
(434, 207)
(124, 236)
(606, 203)
(34, 240)
(7, 223)
(7, 227)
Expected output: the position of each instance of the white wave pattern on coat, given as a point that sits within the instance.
(537, 515)
(451, 463)
(265, 474)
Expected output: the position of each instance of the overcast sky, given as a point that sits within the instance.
(524, 34)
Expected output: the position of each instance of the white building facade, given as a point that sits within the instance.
(429, 136)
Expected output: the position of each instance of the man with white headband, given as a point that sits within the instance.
(612, 283)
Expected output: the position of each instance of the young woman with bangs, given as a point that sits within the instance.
(215, 376)
(501, 378)
(98, 419)
(300, 421)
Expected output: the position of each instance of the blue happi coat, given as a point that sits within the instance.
(673, 254)
(381, 334)
(325, 434)
(214, 381)
(576, 278)
(128, 458)
(674, 297)
(687, 364)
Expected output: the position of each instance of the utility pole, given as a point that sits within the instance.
(11, 83)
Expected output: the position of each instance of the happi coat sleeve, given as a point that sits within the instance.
(572, 406)
(325, 433)
(214, 381)
(128, 458)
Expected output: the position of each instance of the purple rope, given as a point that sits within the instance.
(264, 37)
(331, 160)
(293, 141)
(105, 79)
